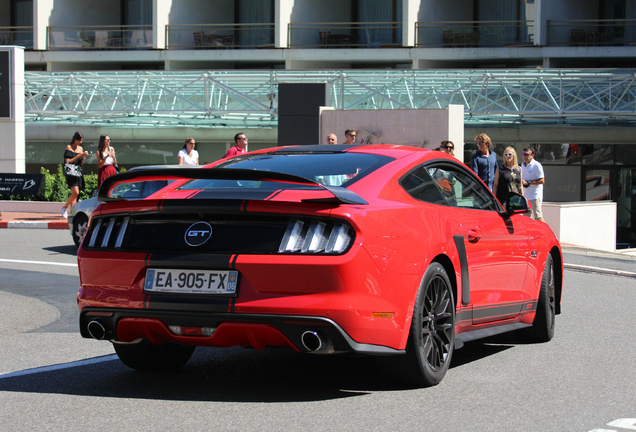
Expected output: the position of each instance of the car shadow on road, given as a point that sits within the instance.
(233, 375)
(66, 250)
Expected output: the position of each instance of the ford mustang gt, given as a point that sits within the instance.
(378, 249)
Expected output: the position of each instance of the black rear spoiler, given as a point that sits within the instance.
(341, 195)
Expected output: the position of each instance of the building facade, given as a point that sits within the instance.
(589, 158)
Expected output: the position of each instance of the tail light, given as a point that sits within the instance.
(316, 237)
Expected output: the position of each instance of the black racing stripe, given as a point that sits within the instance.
(233, 262)
(464, 316)
(244, 204)
(463, 262)
(273, 195)
(202, 205)
(191, 261)
(494, 312)
(192, 303)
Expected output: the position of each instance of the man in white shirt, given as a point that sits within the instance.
(533, 181)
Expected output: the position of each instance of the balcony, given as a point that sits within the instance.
(110, 37)
(345, 35)
(22, 36)
(614, 32)
(469, 34)
(220, 36)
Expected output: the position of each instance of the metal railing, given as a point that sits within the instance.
(103, 37)
(462, 34)
(17, 35)
(249, 98)
(220, 36)
(345, 35)
(609, 32)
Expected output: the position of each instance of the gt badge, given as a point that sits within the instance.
(198, 234)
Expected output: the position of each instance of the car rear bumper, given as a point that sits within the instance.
(301, 333)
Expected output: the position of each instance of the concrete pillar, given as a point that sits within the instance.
(160, 18)
(42, 10)
(282, 18)
(12, 131)
(410, 10)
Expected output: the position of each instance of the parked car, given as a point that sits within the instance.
(81, 212)
(377, 249)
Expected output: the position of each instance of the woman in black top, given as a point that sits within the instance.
(74, 154)
(509, 178)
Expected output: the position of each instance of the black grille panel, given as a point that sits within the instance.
(166, 233)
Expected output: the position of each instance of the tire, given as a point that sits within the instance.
(432, 336)
(145, 356)
(542, 329)
(80, 225)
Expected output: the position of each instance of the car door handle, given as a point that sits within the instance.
(474, 235)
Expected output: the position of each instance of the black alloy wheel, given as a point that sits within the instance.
(542, 329)
(432, 338)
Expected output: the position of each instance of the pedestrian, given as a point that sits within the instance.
(510, 177)
(533, 181)
(484, 161)
(74, 156)
(188, 155)
(240, 148)
(350, 136)
(447, 147)
(106, 160)
(332, 138)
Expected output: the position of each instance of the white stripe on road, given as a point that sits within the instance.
(39, 262)
(42, 369)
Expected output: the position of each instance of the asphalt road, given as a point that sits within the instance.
(52, 379)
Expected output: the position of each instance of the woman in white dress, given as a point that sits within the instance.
(188, 155)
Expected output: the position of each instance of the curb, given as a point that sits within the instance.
(590, 269)
(34, 225)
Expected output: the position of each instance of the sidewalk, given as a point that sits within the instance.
(32, 220)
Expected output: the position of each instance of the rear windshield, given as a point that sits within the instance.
(330, 169)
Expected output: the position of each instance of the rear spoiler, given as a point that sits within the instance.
(341, 195)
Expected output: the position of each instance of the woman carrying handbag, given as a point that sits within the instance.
(73, 159)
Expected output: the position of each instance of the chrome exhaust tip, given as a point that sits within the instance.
(97, 330)
(313, 341)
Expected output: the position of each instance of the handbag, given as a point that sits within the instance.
(72, 170)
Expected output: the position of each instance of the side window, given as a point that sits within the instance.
(421, 186)
(460, 189)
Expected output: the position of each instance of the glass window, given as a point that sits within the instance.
(421, 186)
(331, 169)
(625, 154)
(448, 185)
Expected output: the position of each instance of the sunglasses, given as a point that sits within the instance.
(527, 154)
(508, 154)
(449, 147)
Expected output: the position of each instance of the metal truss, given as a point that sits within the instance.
(249, 98)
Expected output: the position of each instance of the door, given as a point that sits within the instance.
(496, 246)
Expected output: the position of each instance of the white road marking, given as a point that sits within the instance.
(42, 369)
(39, 262)
(624, 423)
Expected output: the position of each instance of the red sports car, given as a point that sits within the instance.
(370, 249)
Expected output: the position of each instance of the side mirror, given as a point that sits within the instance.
(516, 203)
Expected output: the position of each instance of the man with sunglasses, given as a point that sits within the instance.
(350, 136)
(533, 181)
(241, 146)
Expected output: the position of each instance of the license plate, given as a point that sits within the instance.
(208, 282)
